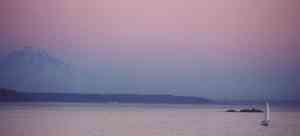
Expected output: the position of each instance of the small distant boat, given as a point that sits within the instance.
(267, 120)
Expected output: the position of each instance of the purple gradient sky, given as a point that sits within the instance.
(150, 37)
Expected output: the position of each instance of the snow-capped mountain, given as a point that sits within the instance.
(32, 69)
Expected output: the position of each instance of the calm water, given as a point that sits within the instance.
(57, 119)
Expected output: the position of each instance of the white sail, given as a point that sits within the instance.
(267, 115)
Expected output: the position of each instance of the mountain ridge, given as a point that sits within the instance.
(9, 95)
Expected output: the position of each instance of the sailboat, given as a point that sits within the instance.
(267, 120)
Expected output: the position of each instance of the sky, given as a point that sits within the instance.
(222, 49)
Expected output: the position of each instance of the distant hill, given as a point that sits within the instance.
(35, 73)
(35, 70)
(8, 95)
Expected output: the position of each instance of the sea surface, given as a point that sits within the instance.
(82, 119)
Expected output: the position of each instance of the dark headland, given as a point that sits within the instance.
(9, 95)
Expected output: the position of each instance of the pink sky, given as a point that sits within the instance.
(156, 27)
(222, 30)
(258, 34)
